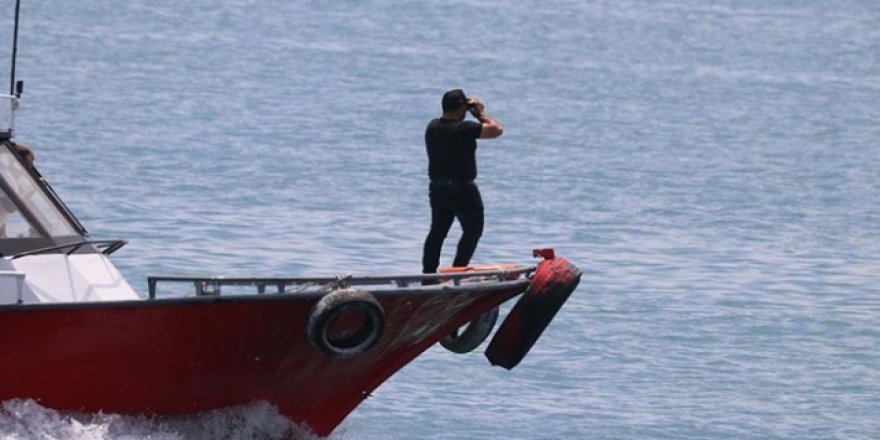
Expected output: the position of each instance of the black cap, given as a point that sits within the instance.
(453, 99)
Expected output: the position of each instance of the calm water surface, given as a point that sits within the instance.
(712, 165)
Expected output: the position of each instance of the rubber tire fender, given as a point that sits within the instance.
(473, 335)
(551, 285)
(336, 303)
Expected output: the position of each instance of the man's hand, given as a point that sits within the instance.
(476, 108)
(491, 127)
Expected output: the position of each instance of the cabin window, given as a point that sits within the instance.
(12, 223)
(36, 202)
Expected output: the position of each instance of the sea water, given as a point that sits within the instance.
(713, 166)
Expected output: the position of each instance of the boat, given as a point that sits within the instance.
(76, 336)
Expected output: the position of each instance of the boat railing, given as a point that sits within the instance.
(19, 283)
(212, 286)
(106, 247)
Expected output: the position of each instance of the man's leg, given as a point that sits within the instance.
(441, 220)
(470, 215)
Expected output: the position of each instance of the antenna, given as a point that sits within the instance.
(14, 49)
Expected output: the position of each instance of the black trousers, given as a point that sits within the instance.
(448, 202)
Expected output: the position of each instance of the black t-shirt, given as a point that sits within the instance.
(452, 148)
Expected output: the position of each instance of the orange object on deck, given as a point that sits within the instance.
(486, 268)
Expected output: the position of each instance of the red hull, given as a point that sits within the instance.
(190, 355)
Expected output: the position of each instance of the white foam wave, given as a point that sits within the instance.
(27, 420)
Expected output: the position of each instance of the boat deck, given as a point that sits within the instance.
(213, 286)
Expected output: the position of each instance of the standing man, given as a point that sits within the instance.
(452, 167)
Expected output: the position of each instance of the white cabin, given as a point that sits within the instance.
(46, 255)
